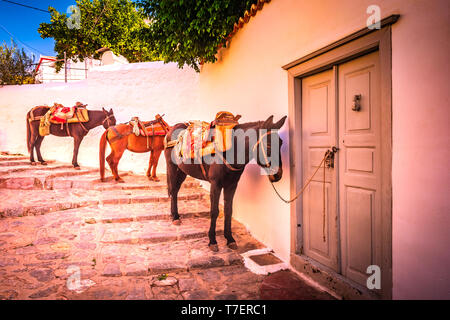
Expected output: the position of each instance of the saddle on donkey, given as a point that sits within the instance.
(147, 129)
(59, 114)
(202, 138)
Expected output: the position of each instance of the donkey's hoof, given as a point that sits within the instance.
(155, 179)
(232, 246)
(33, 163)
(213, 247)
(120, 180)
(176, 222)
(44, 163)
(77, 167)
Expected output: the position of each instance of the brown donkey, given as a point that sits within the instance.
(76, 130)
(121, 138)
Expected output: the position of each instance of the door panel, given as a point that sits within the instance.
(359, 166)
(352, 191)
(320, 240)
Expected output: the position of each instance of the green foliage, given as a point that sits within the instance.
(190, 31)
(15, 66)
(97, 24)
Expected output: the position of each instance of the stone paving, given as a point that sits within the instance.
(65, 235)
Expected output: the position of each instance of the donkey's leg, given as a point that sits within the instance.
(149, 166)
(228, 195)
(113, 160)
(76, 146)
(214, 197)
(175, 177)
(33, 138)
(38, 150)
(154, 163)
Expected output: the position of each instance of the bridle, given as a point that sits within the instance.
(108, 116)
(260, 142)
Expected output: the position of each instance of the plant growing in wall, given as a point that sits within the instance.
(190, 31)
(92, 25)
(16, 67)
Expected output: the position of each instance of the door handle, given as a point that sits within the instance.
(329, 157)
(356, 102)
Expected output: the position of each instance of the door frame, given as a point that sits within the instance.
(351, 47)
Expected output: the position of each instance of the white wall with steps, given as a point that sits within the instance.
(140, 89)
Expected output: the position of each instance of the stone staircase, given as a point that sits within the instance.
(53, 218)
(66, 235)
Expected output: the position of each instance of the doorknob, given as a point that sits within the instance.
(356, 102)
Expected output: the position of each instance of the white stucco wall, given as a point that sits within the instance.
(141, 89)
(248, 79)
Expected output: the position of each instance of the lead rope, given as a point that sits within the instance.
(327, 154)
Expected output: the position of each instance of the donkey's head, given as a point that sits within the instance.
(267, 150)
(109, 120)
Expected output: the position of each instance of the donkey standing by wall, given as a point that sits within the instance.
(225, 175)
(76, 130)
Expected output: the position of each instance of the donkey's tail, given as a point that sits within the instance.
(28, 133)
(102, 150)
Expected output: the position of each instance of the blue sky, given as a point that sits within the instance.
(23, 23)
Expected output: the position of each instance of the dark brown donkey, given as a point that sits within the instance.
(121, 138)
(225, 174)
(75, 130)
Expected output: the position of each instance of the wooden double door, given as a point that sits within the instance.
(342, 209)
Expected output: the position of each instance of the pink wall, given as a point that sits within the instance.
(248, 79)
(420, 173)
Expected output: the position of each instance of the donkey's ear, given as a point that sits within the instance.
(280, 123)
(110, 111)
(103, 109)
(268, 123)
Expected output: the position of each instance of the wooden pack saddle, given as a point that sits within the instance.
(59, 114)
(146, 129)
(204, 138)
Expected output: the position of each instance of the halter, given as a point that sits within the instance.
(107, 118)
(260, 141)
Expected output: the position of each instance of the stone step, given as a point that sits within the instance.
(154, 231)
(39, 179)
(169, 257)
(38, 202)
(86, 178)
(145, 211)
(132, 182)
(8, 170)
(12, 163)
(5, 156)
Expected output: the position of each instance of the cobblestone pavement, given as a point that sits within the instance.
(65, 235)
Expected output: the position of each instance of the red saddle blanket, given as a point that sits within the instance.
(62, 114)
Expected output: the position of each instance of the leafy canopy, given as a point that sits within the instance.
(190, 31)
(96, 24)
(16, 67)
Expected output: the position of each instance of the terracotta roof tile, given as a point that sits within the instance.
(242, 21)
(246, 18)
